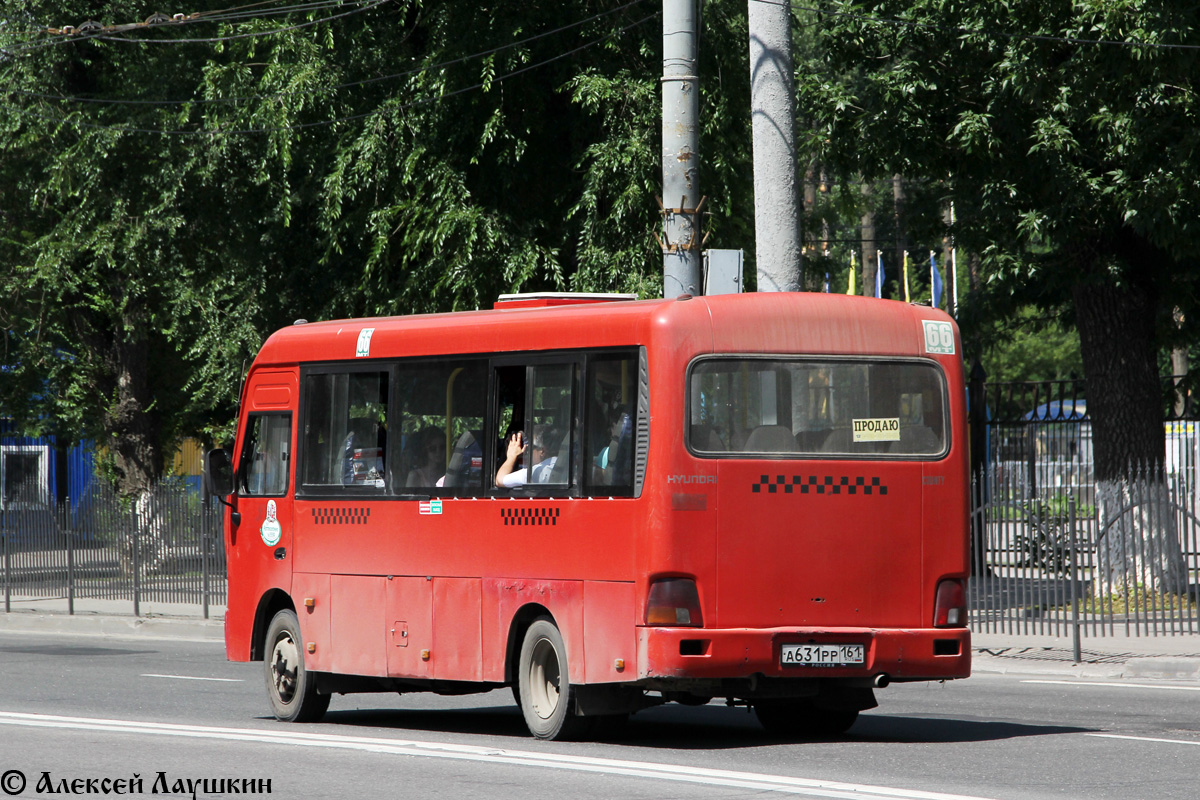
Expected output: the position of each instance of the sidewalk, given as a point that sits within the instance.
(1118, 656)
(114, 618)
(1111, 657)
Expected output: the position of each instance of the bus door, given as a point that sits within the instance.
(260, 544)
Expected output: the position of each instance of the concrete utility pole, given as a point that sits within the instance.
(681, 149)
(773, 118)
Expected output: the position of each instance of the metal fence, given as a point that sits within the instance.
(1047, 559)
(165, 549)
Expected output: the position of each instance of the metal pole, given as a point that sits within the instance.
(1073, 575)
(7, 566)
(680, 149)
(137, 566)
(778, 249)
(69, 531)
(204, 561)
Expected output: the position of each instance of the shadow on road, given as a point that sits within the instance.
(710, 727)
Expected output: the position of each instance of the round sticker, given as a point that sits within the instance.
(271, 530)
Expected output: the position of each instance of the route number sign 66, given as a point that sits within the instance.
(939, 337)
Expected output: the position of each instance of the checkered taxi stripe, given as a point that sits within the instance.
(819, 484)
(529, 516)
(345, 515)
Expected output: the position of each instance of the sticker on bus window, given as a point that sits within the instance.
(939, 337)
(883, 429)
(271, 531)
(364, 343)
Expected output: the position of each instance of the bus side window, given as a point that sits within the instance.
(263, 471)
(440, 408)
(345, 430)
(611, 402)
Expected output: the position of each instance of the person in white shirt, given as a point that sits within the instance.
(509, 477)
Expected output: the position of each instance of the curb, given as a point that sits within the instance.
(149, 627)
(992, 665)
(1164, 668)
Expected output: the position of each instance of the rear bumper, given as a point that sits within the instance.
(902, 654)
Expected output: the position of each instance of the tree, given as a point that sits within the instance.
(1066, 135)
(173, 192)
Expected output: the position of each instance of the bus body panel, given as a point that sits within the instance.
(818, 543)
(900, 654)
(356, 624)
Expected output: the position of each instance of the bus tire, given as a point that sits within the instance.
(544, 689)
(290, 687)
(801, 718)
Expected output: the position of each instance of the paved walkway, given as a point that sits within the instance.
(1119, 656)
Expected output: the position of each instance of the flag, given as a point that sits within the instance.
(935, 281)
(879, 274)
(852, 289)
(906, 298)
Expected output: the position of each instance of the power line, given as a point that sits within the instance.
(975, 31)
(354, 117)
(93, 30)
(338, 87)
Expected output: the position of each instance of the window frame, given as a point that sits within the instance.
(531, 360)
(947, 426)
(394, 489)
(323, 491)
(243, 466)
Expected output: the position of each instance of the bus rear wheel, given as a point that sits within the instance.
(290, 687)
(802, 718)
(544, 689)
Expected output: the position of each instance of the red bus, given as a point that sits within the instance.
(605, 506)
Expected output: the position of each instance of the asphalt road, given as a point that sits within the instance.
(74, 708)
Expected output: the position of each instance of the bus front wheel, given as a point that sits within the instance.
(545, 693)
(290, 686)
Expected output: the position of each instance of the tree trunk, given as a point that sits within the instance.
(1138, 546)
(868, 241)
(131, 428)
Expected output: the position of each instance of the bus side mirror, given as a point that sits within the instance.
(218, 474)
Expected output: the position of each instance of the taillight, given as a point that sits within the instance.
(950, 605)
(673, 601)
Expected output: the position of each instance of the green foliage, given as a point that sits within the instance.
(347, 160)
(1032, 346)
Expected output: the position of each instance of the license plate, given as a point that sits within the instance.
(821, 655)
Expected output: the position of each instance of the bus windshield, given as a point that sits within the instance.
(780, 408)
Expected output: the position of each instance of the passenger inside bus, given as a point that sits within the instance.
(509, 477)
(427, 462)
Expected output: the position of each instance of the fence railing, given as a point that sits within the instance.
(1063, 559)
(167, 548)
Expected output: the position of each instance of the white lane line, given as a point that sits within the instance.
(1143, 739)
(191, 678)
(1165, 687)
(609, 766)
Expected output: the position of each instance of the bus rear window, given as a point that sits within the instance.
(782, 408)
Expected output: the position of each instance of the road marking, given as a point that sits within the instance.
(1123, 685)
(191, 678)
(1143, 739)
(609, 766)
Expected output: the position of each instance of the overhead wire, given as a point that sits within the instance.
(353, 117)
(340, 86)
(225, 15)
